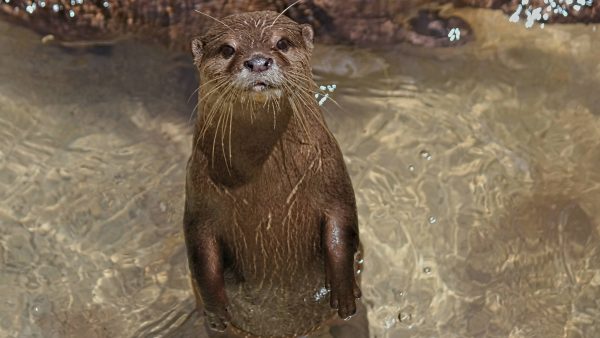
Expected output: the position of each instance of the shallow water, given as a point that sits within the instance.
(475, 171)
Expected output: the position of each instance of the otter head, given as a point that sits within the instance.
(256, 55)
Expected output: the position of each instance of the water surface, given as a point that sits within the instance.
(475, 170)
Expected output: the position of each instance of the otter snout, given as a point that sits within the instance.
(259, 72)
(258, 64)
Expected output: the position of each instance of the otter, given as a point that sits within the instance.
(270, 219)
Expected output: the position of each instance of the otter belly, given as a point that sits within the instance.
(275, 279)
(269, 309)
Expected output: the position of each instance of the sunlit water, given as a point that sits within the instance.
(475, 170)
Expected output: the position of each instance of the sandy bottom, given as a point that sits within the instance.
(475, 169)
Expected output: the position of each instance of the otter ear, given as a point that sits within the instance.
(197, 50)
(308, 34)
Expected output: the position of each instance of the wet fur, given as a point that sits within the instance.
(270, 215)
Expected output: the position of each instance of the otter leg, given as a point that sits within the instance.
(206, 266)
(340, 242)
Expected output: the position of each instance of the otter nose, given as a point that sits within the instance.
(258, 64)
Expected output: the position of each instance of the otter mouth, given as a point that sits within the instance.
(262, 91)
(260, 86)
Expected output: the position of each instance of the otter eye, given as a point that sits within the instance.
(227, 51)
(283, 45)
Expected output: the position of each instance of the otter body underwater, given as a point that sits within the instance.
(270, 218)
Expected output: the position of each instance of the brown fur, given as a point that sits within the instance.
(270, 215)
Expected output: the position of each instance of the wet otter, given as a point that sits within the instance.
(270, 217)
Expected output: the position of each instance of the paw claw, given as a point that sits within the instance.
(344, 300)
(217, 322)
(343, 290)
(347, 311)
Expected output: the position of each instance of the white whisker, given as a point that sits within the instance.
(285, 10)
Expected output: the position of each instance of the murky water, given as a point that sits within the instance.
(475, 169)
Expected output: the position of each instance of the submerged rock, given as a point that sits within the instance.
(362, 22)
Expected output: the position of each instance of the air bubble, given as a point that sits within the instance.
(432, 220)
(411, 167)
(426, 155)
(320, 294)
(29, 9)
(398, 294)
(39, 306)
(454, 34)
(427, 270)
(404, 317)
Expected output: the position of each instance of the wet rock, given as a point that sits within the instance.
(94, 25)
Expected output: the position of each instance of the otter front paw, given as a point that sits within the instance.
(217, 320)
(343, 294)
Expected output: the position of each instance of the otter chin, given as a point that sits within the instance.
(270, 220)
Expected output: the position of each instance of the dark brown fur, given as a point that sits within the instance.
(270, 215)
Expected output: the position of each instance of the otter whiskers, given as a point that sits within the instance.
(285, 10)
(217, 20)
